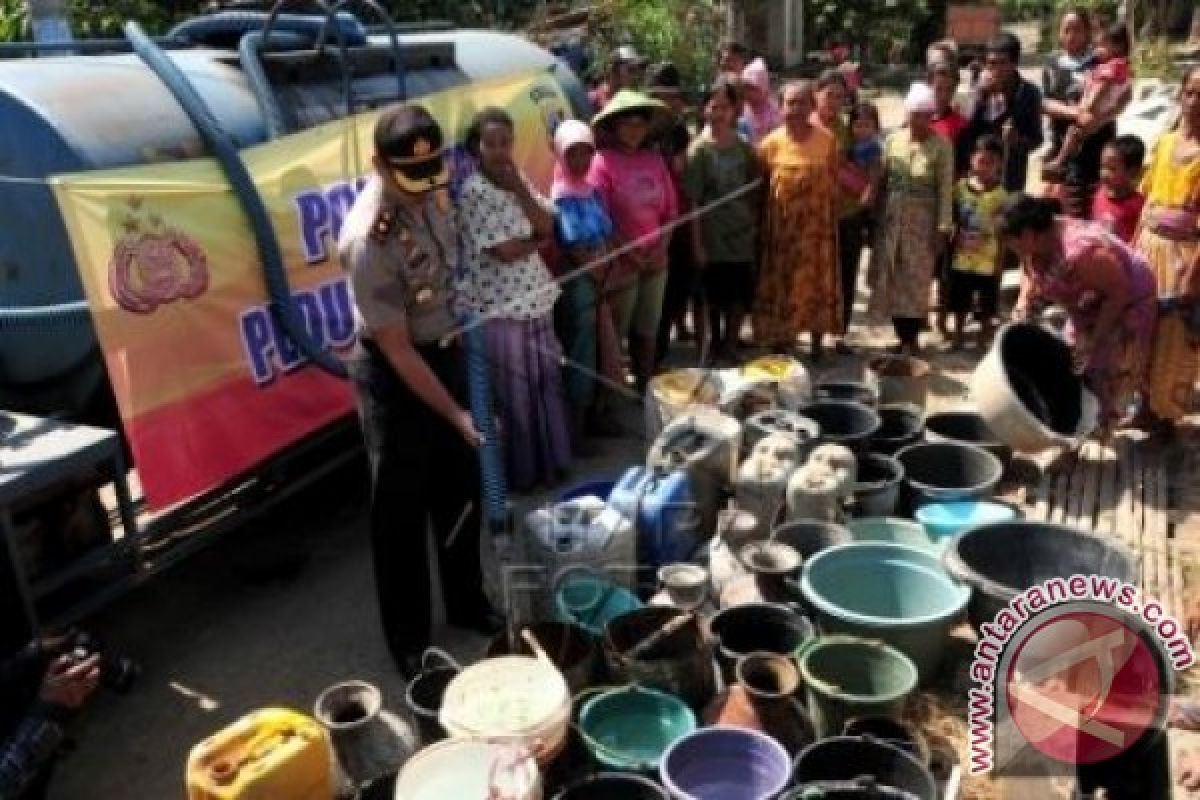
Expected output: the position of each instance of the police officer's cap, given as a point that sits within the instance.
(409, 140)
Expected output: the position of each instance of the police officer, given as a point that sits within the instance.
(400, 244)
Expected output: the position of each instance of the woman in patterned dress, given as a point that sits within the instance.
(799, 288)
(1106, 288)
(505, 222)
(917, 222)
(1169, 238)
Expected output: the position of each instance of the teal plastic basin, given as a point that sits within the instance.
(895, 593)
(630, 728)
(944, 521)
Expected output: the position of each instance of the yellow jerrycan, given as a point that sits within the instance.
(270, 754)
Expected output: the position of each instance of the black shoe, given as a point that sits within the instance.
(489, 623)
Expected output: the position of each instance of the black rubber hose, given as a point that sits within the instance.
(394, 40)
(224, 150)
(53, 316)
(248, 50)
(230, 26)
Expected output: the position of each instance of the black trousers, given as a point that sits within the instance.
(908, 329)
(421, 471)
(683, 287)
(852, 237)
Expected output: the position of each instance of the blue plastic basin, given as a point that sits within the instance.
(944, 521)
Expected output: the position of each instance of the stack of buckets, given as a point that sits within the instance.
(865, 619)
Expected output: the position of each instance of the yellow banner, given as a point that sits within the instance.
(207, 384)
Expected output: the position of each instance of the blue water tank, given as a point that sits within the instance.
(79, 113)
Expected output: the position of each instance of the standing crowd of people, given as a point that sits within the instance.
(759, 212)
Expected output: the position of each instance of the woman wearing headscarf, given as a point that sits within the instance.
(582, 230)
(918, 219)
(761, 113)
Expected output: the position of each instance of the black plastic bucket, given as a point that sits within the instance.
(1038, 364)
(899, 426)
(424, 694)
(890, 731)
(967, 427)
(877, 489)
(852, 391)
(942, 472)
(753, 628)
(844, 422)
(611, 786)
(679, 663)
(1002, 559)
(810, 536)
(851, 758)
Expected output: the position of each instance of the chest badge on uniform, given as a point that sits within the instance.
(424, 295)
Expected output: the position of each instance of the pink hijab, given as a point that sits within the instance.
(767, 116)
(570, 133)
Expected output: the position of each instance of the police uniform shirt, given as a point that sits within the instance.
(400, 258)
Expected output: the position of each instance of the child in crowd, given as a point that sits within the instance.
(725, 239)
(859, 176)
(732, 58)
(582, 230)
(505, 222)
(1118, 205)
(978, 200)
(761, 113)
(949, 123)
(1106, 87)
(637, 189)
(863, 164)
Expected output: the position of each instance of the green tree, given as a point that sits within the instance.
(685, 32)
(879, 27)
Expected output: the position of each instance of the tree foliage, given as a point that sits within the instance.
(875, 27)
(685, 32)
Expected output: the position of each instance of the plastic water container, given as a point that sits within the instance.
(763, 477)
(269, 753)
(663, 509)
(673, 393)
(707, 444)
(585, 531)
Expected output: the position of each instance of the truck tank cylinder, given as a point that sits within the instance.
(78, 113)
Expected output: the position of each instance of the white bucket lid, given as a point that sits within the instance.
(505, 696)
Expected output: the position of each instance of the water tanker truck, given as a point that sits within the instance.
(226, 81)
